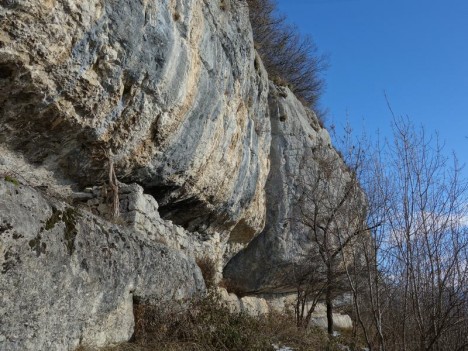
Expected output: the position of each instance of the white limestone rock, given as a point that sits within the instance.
(254, 306)
(68, 277)
(170, 91)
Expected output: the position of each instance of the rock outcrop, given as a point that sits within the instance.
(69, 277)
(300, 150)
(170, 91)
(258, 305)
(139, 212)
(170, 98)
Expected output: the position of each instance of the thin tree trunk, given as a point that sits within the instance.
(329, 304)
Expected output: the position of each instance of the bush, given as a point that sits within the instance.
(206, 324)
(208, 268)
(290, 58)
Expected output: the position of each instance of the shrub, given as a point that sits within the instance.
(206, 324)
(289, 57)
(208, 268)
(231, 287)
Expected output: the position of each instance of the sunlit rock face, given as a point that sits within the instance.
(69, 278)
(169, 90)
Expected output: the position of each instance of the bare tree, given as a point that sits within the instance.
(310, 281)
(427, 236)
(289, 57)
(416, 286)
(363, 257)
(333, 211)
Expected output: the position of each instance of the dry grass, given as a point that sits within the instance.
(231, 287)
(208, 268)
(206, 325)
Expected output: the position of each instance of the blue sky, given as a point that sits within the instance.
(416, 51)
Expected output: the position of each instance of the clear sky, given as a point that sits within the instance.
(416, 51)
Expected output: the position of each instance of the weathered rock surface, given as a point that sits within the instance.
(251, 305)
(340, 321)
(169, 90)
(139, 211)
(170, 93)
(281, 303)
(68, 277)
(300, 150)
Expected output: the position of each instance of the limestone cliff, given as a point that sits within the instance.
(300, 150)
(171, 95)
(167, 89)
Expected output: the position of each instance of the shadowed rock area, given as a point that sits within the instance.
(300, 150)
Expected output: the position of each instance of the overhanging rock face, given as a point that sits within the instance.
(70, 278)
(166, 89)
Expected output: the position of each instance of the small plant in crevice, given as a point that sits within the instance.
(11, 179)
(231, 287)
(207, 266)
(114, 186)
